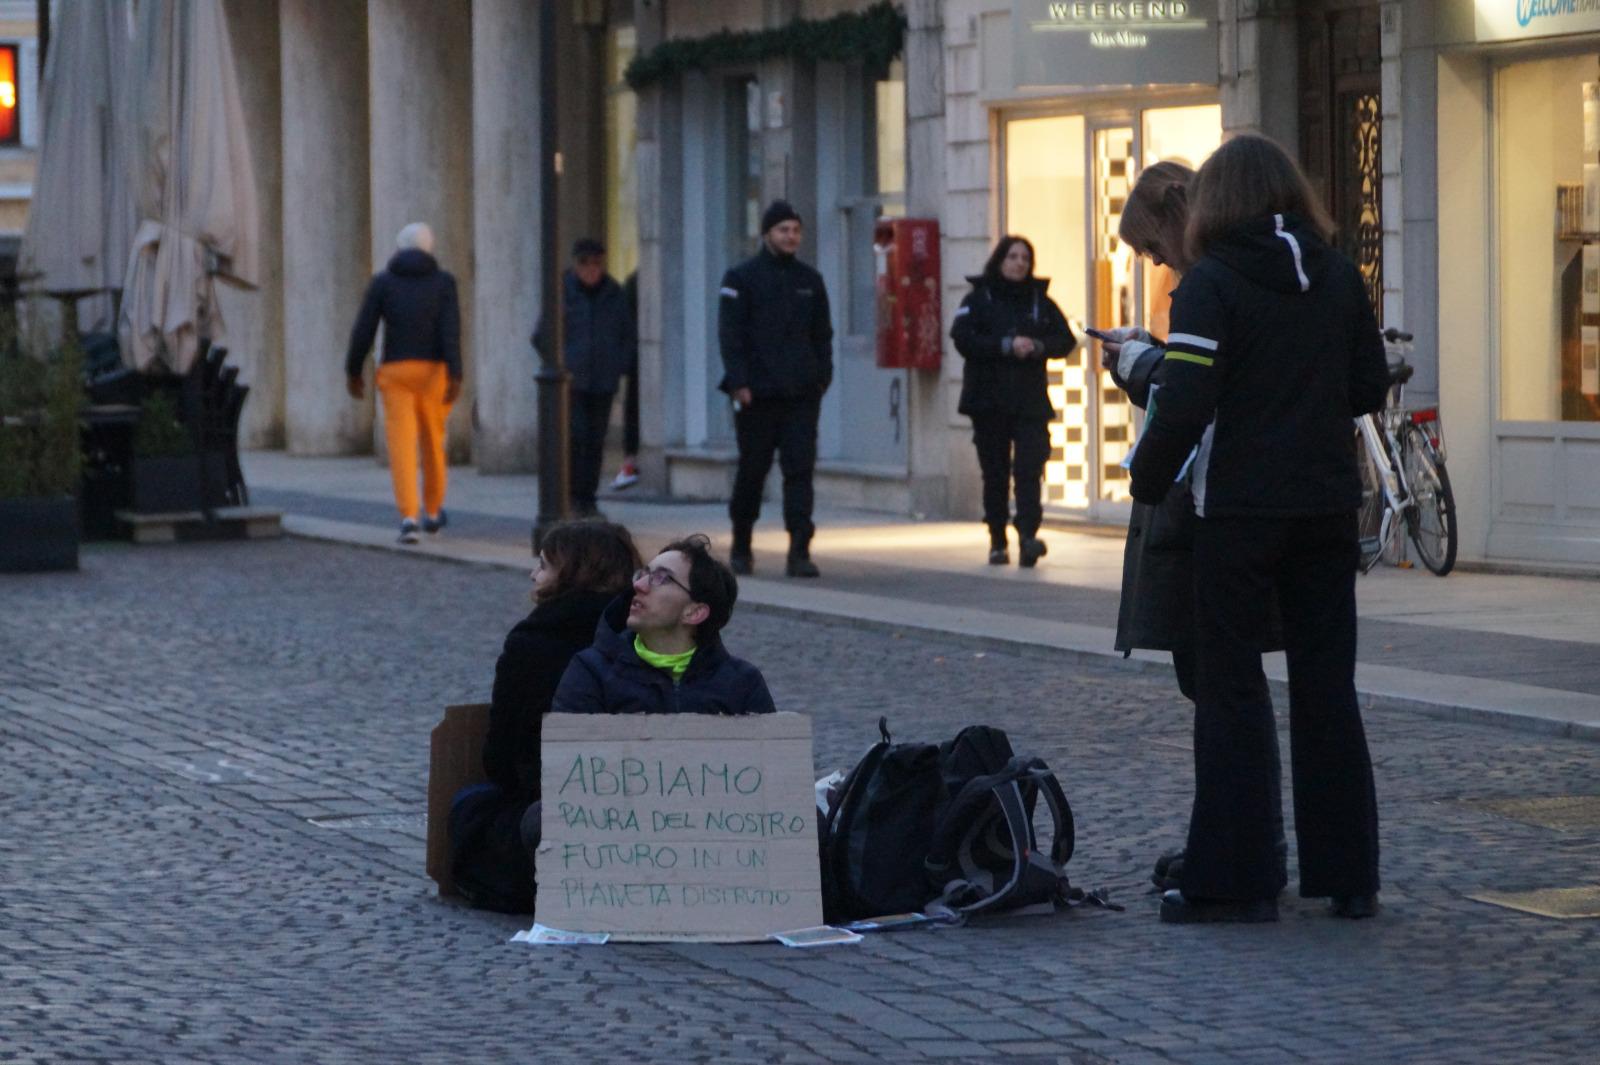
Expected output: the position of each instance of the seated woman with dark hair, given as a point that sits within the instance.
(581, 568)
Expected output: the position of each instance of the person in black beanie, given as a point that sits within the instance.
(777, 358)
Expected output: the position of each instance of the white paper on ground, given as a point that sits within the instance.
(819, 936)
(540, 936)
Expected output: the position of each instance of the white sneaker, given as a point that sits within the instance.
(626, 477)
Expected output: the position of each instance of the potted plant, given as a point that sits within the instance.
(40, 400)
(167, 473)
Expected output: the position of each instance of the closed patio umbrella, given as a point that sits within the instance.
(81, 219)
(195, 184)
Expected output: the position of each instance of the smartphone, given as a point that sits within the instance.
(1098, 335)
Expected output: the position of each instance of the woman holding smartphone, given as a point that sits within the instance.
(1005, 329)
(1274, 349)
(1156, 612)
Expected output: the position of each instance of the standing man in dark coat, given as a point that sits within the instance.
(600, 345)
(777, 358)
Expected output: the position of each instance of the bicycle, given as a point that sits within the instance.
(1401, 454)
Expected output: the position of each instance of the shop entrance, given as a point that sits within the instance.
(1066, 180)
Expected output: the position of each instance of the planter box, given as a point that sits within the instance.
(172, 484)
(38, 534)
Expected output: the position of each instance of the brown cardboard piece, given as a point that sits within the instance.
(681, 827)
(455, 759)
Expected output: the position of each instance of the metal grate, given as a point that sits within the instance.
(1562, 903)
(1556, 811)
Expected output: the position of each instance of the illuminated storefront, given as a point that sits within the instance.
(1519, 274)
(1075, 127)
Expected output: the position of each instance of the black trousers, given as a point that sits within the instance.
(590, 414)
(630, 415)
(789, 428)
(1011, 450)
(1231, 851)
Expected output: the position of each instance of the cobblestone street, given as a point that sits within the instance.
(213, 765)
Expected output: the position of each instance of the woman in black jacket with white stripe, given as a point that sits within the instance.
(1006, 329)
(1273, 350)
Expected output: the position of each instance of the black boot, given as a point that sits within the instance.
(799, 563)
(998, 555)
(1030, 551)
(740, 558)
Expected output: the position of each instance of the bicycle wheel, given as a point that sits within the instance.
(1431, 520)
(1369, 518)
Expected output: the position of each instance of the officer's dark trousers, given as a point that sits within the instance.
(1011, 450)
(590, 414)
(788, 427)
(1230, 852)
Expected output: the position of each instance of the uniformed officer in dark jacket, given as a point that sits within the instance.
(599, 345)
(1006, 329)
(777, 359)
(1273, 350)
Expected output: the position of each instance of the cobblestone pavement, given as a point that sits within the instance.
(212, 771)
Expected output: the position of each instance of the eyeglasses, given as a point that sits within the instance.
(658, 577)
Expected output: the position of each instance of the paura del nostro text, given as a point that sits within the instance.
(636, 777)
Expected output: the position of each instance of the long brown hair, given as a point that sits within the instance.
(991, 269)
(1157, 212)
(588, 556)
(1249, 177)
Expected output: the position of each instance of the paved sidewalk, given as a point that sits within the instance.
(1522, 651)
(213, 765)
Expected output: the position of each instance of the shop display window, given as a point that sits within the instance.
(1547, 128)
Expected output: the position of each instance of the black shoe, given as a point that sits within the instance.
(999, 556)
(408, 531)
(741, 562)
(1354, 907)
(1031, 550)
(801, 566)
(432, 523)
(1169, 871)
(1178, 908)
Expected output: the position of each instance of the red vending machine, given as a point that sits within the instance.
(910, 333)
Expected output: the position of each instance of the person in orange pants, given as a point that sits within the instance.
(419, 376)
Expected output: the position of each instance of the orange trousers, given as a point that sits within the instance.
(414, 413)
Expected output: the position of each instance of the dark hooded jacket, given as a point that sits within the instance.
(993, 315)
(775, 329)
(1157, 607)
(537, 652)
(598, 344)
(610, 678)
(1274, 350)
(420, 311)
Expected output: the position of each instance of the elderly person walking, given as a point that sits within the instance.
(419, 376)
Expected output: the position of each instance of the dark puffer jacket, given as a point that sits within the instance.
(537, 653)
(1274, 349)
(992, 316)
(598, 343)
(611, 678)
(774, 327)
(420, 311)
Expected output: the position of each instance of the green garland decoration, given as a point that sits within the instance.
(872, 37)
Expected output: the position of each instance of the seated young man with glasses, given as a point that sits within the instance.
(660, 652)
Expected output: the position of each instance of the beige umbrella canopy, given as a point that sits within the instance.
(81, 220)
(196, 192)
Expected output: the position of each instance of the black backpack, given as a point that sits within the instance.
(984, 854)
(875, 843)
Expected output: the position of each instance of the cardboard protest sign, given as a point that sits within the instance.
(455, 759)
(678, 826)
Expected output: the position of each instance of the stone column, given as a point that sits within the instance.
(254, 319)
(655, 215)
(1259, 74)
(327, 242)
(939, 455)
(505, 204)
(419, 63)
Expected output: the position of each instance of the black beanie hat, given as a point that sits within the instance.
(778, 211)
